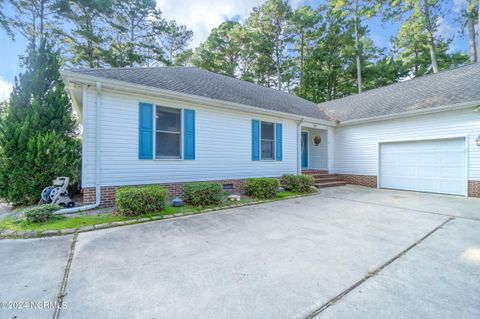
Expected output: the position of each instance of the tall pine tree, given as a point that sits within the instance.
(37, 130)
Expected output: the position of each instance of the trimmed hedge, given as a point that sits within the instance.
(134, 201)
(42, 213)
(263, 187)
(203, 193)
(297, 183)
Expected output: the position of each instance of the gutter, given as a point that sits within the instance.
(98, 103)
(147, 90)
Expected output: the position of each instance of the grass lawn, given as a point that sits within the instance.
(61, 222)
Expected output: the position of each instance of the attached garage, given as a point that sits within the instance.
(436, 166)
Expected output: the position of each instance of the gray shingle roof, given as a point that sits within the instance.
(460, 85)
(203, 83)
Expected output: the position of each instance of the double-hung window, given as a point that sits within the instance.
(168, 132)
(267, 141)
(165, 132)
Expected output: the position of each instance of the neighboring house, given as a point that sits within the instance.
(172, 125)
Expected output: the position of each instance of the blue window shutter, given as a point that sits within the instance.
(278, 141)
(145, 131)
(189, 134)
(255, 140)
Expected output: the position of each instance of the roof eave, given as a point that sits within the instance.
(69, 76)
(456, 106)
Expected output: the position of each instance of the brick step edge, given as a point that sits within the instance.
(319, 172)
(329, 178)
(330, 184)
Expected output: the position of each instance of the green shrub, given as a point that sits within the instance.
(134, 201)
(297, 183)
(42, 213)
(263, 187)
(38, 135)
(203, 193)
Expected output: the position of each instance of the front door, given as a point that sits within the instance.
(304, 149)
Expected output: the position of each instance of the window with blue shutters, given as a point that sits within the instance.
(266, 141)
(160, 132)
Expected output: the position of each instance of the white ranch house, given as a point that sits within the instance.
(172, 125)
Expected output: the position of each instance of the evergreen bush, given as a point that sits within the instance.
(38, 133)
(134, 201)
(262, 188)
(297, 183)
(42, 213)
(203, 193)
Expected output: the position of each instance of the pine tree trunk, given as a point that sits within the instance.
(471, 31)
(42, 18)
(471, 39)
(33, 36)
(279, 75)
(433, 54)
(416, 63)
(357, 49)
(277, 53)
(431, 43)
(302, 47)
(478, 32)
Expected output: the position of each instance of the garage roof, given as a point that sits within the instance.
(461, 85)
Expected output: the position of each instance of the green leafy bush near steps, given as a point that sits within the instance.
(42, 213)
(203, 193)
(297, 183)
(262, 188)
(134, 201)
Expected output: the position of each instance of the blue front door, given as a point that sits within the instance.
(304, 149)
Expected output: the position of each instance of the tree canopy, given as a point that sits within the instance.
(318, 52)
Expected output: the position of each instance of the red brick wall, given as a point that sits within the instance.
(363, 180)
(88, 195)
(371, 181)
(473, 188)
(175, 189)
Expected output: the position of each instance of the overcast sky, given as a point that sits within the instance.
(203, 15)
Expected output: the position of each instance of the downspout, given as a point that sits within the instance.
(98, 103)
(299, 147)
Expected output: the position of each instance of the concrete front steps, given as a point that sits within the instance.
(324, 179)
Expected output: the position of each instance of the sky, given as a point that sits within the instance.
(201, 16)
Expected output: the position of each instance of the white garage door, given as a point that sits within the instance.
(437, 166)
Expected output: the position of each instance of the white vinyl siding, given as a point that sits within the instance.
(356, 146)
(223, 145)
(318, 154)
(88, 137)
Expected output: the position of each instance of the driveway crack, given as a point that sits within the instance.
(63, 287)
(373, 273)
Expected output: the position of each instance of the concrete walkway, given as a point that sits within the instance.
(349, 252)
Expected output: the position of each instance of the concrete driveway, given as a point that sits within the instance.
(349, 252)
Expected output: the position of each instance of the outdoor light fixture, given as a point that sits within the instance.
(477, 140)
(317, 139)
